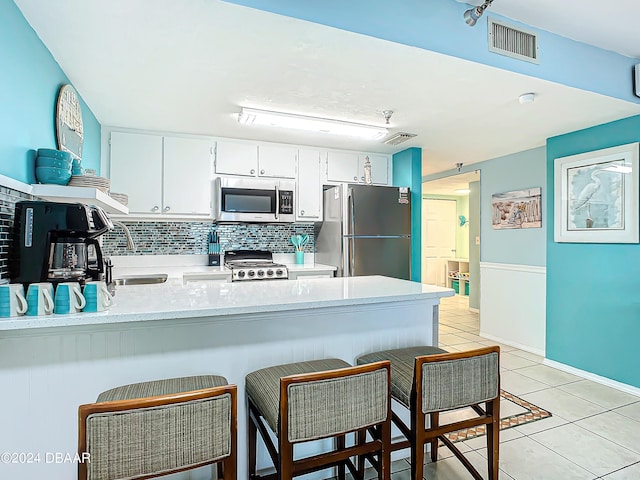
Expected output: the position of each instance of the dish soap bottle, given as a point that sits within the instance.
(367, 171)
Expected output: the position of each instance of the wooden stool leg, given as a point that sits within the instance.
(493, 438)
(340, 443)
(252, 433)
(361, 437)
(285, 457)
(417, 445)
(434, 418)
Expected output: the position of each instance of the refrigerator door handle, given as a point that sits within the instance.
(352, 243)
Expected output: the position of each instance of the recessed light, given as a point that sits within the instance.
(527, 98)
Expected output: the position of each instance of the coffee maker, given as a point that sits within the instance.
(57, 242)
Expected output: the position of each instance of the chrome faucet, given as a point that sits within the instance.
(127, 233)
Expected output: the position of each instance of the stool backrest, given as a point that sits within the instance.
(452, 380)
(325, 404)
(141, 438)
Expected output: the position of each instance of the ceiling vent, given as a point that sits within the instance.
(399, 137)
(512, 42)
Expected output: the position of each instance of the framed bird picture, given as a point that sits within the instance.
(596, 196)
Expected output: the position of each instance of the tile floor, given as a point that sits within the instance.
(594, 432)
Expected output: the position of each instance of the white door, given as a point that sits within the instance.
(379, 168)
(309, 190)
(236, 158)
(438, 239)
(342, 167)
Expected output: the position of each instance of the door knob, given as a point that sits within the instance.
(252, 171)
(261, 172)
(301, 212)
(155, 208)
(355, 178)
(166, 209)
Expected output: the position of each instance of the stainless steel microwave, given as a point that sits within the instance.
(253, 200)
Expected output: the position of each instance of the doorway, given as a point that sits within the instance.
(451, 234)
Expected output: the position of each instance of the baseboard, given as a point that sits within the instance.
(525, 348)
(623, 387)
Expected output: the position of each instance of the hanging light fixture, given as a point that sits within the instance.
(472, 15)
(251, 116)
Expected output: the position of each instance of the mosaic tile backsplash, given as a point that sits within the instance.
(8, 200)
(190, 238)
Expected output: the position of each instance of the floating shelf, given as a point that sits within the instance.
(90, 196)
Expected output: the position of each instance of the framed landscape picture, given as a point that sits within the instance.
(596, 196)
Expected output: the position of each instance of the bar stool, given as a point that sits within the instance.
(150, 429)
(429, 380)
(306, 401)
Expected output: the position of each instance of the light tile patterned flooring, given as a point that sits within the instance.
(594, 432)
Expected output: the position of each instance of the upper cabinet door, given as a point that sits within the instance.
(342, 167)
(276, 161)
(136, 169)
(379, 168)
(236, 158)
(309, 188)
(187, 175)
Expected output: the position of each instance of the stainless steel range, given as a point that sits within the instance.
(253, 265)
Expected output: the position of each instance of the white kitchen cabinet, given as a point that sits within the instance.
(348, 167)
(277, 161)
(187, 176)
(253, 160)
(342, 167)
(236, 158)
(163, 176)
(308, 186)
(136, 170)
(379, 168)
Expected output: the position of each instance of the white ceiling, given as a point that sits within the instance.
(188, 67)
(449, 185)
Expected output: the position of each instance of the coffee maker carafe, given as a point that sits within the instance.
(57, 242)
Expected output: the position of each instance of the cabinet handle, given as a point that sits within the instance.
(252, 171)
(166, 209)
(355, 178)
(261, 172)
(301, 212)
(155, 208)
(362, 179)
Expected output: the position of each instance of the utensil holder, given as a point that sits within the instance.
(214, 259)
(299, 257)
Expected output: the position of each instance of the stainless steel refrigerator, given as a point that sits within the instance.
(366, 231)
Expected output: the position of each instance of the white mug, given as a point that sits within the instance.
(12, 301)
(97, 296)
(40, 299)
(69, 298)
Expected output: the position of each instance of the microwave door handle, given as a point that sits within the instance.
(277, 202)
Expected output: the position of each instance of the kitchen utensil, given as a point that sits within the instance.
(97, 296)
(40, 299)
(58, 176)
(12, 301)
(69, 298)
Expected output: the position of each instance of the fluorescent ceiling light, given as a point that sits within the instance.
(250, 116)
(463, 191)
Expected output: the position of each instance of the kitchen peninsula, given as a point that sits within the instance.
(51, 364)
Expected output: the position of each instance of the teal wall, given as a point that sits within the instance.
(437, 25)
(593, 299)
(29, 87)
(407, 172)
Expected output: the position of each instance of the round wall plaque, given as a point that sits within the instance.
(69, 130)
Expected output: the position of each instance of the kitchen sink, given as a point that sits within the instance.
(141, 279)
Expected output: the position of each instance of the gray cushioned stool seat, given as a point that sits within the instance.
(402, 364)
(162, 387)
(263, 386)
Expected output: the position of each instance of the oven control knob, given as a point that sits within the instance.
(279, 272)
(251, 274)
(261, 273)
(269, 273)
(241, 274)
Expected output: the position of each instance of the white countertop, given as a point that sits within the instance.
(175, 300)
